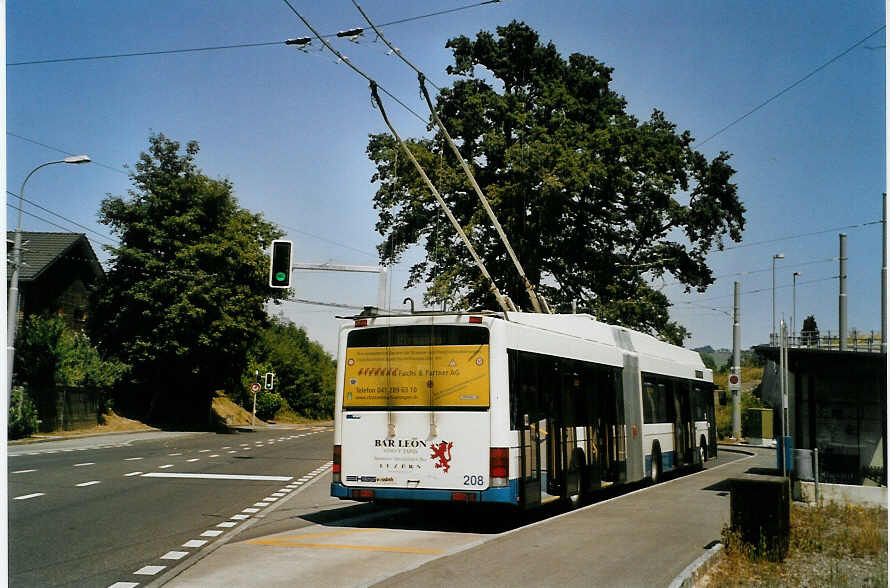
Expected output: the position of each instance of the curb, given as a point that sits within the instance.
(696, 569)
(45, 439)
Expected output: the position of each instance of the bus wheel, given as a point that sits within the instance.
(655, 473)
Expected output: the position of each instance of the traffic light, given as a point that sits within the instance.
(270, 377)
(280, 264)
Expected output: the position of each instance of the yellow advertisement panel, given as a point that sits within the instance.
(416, 376)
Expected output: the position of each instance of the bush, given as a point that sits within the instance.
(267, 404)
(22, 415)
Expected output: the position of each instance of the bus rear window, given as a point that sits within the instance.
(417, 335)
(417, 368)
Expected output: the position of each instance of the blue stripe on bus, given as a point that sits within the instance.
(506, 495)
(667, 462)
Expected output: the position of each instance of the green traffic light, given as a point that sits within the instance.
(280, 277)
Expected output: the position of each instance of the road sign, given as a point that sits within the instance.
(255, 387)
(735, 382)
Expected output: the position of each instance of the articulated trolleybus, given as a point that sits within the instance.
(511, 408)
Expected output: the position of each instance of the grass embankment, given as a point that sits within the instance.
(830, 545)
(750, 375)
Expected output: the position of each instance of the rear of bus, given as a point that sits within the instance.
(413, 411)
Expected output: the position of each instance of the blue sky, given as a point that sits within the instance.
(289, 128)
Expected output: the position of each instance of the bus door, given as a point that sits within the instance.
(533, 445)
(683, 423)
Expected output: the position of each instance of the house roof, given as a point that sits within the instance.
(41, 250)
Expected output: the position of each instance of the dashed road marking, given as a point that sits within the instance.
(195, 543)
(251, 510)
(165, 466)
(24, 471)
(214, 455)
(203, 451)
(174, 454)
(193, 459)
(175, 555)
(149, 570)
(239, 517)
(211, 533)
(132, 474)
(133, 458)
(91, 483)
(227, 524)
(80, 465)
(27, 496)
(124, 585)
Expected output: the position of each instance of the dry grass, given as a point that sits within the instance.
(830, 545)
(232, 414)
(111, 423)
(750, 375)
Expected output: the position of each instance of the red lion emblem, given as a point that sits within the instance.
(442, 452)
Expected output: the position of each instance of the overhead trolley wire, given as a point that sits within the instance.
(234, 46)
(64, 218)
(795, 84)
(797, 236)
(503, 302)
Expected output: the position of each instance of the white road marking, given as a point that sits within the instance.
(194, 543)
(165, 466)
(211, 533)
(214, 455)
(27, 496)
(124, 585)
(233, 451)
(270, 499)
(78, 465)
(132, 474)
(174, 454)
(239, 517)
(251, 510)
(261, 504)
(24, 471)
(279, 494)
(133, 458)
(193, 459)
(175, 555)
(149, 570)
(88, 483)
(227, 447)
(217, 476)
(204, 451)
(227, 524)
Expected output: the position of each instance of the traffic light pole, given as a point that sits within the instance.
(369, 269)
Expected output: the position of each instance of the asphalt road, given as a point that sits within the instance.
(95, 511)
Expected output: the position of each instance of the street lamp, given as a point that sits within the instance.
(775, 257)
(13, 305)
(794, 304)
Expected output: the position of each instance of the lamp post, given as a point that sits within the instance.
(13, 304)
(773, 327)
(794, 305)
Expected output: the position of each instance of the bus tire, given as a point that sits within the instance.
(655, 472)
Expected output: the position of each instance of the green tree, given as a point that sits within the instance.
(595, 202)
(809, 334)
(305, 374)
(184, 298)
(708, 360)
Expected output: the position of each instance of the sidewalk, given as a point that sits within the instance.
(643, 538)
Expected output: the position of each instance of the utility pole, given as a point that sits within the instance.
(884, 279)
(842, 297)
(736, 361)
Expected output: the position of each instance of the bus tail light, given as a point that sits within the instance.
(463, 497)
(362, 495)
(476, 319)
(335, 473)
(499, 470)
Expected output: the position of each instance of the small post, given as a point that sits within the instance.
(816, 472)
(736, 360)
